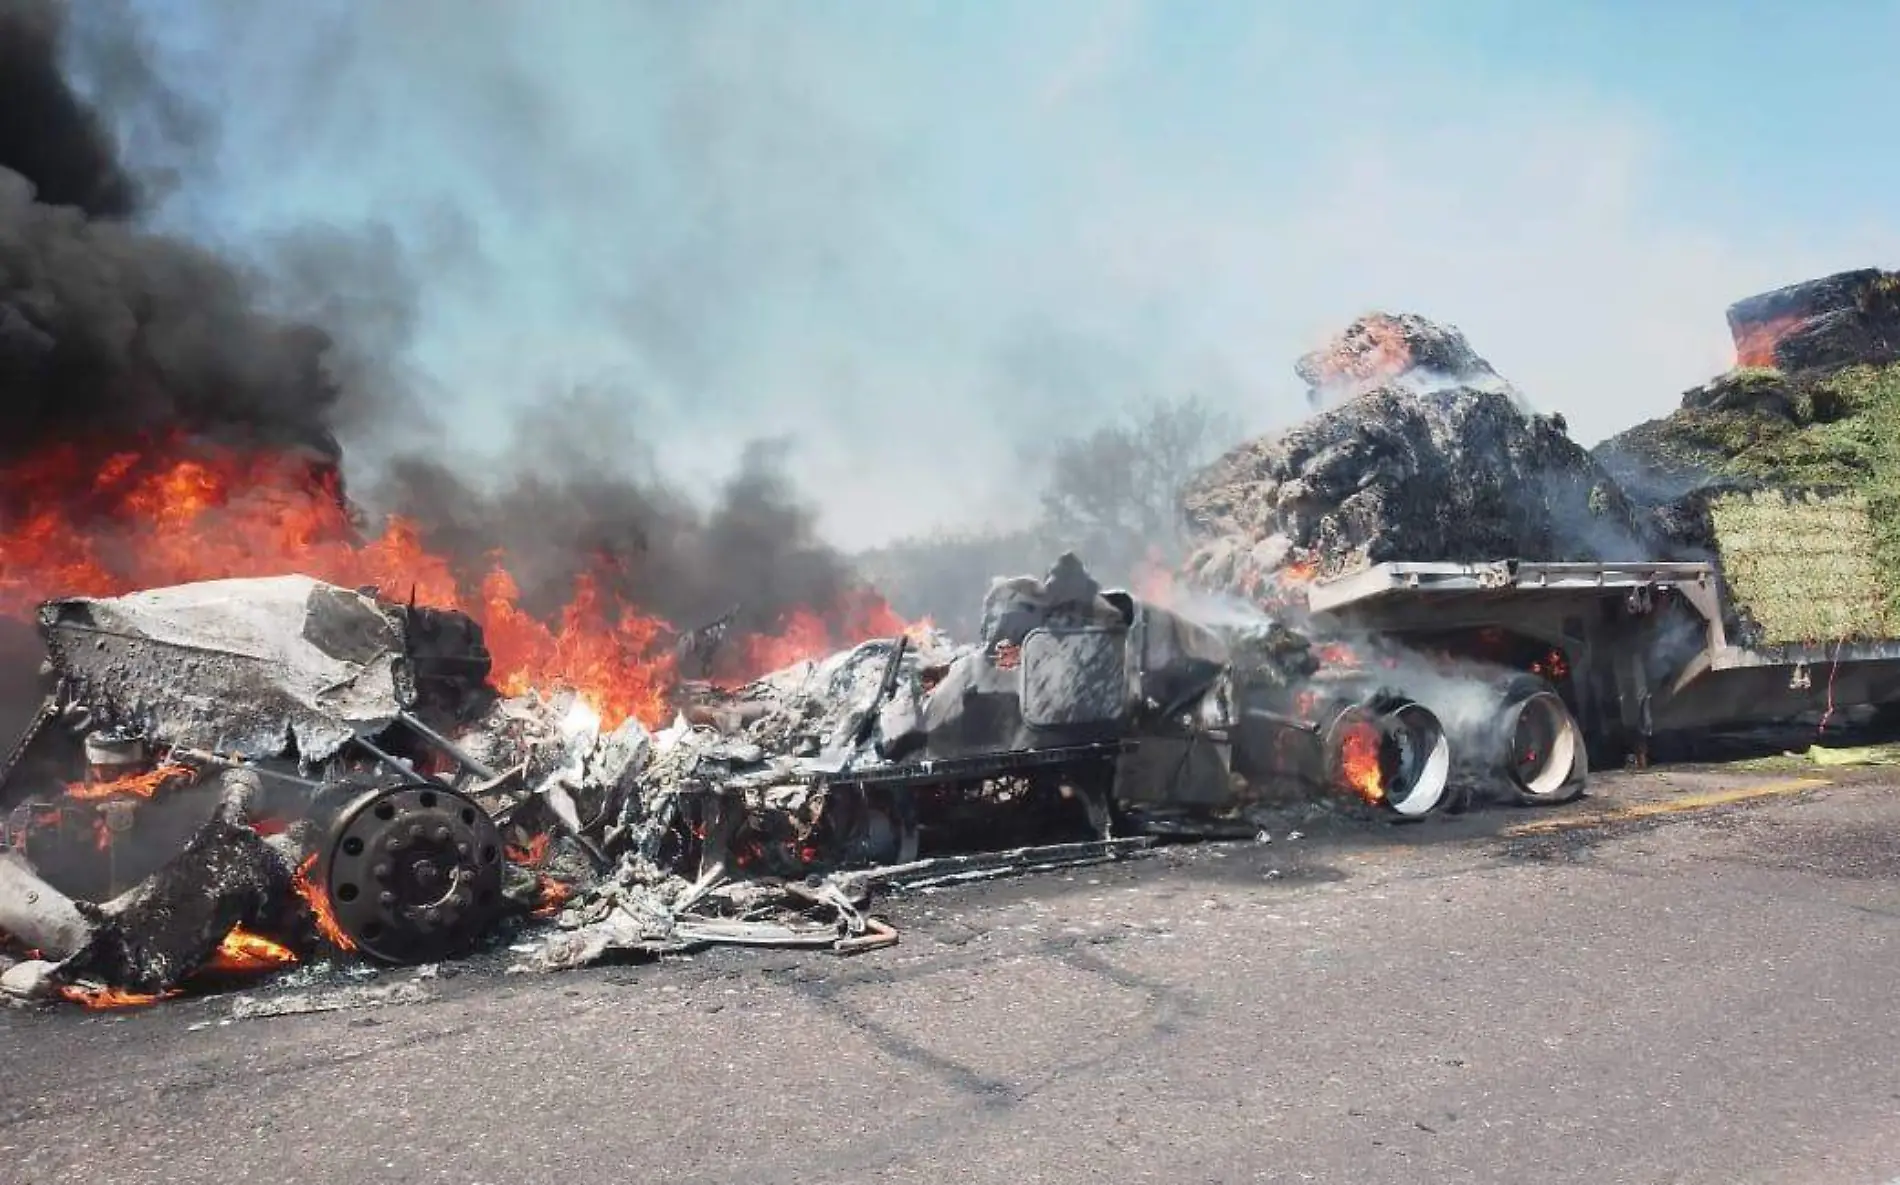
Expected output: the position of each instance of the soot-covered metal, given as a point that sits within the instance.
(245, 775)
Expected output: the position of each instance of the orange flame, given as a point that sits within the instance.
(143, 785)
(804, 634)
(243, 952)
(1755, 344)
(1337, 654)
(1373, 349)
(85, 521)
(1359, 760)
(532, 856)
(1154, 581)
(801, 635)
(320, 907)
(104, 998)
(552, 895)
(1299, 573)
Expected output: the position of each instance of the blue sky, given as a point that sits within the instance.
(919, 238)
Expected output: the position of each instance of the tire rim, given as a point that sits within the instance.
(1423, 759)
(1543, 745)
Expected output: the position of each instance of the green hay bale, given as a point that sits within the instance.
(1805, 566)
(1816, 555)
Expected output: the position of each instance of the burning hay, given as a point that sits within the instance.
(1406, 350)
(1429, 455)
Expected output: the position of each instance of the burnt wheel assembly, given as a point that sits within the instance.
(1405, 749)
(413, 872)
(1544, 758)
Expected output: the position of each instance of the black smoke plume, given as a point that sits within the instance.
(564, 511)
(112, 331)
(108, 329)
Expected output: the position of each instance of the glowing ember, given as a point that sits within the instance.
(552, 894)
(1337, 654)
(102, 997)
(1300, 573)
(1359, 761)
(1552, 666)
(1755, 345)
(243, 952)
(532, 856)
(143, 785)
(320, 907)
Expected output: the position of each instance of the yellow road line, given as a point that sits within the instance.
(1667, 806)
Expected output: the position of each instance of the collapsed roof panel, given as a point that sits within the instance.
(243, 667)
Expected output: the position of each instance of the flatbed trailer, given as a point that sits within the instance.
(1641, 650)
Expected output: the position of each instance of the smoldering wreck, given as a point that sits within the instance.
(234, 776)
(342, 755)
(231, 777)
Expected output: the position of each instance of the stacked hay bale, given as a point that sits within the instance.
(1787, 469)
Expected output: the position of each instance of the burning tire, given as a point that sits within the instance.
(1543, 756)
(1392, 753)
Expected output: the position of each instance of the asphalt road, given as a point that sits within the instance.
(1688, 980)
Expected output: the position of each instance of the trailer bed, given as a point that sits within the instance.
(1648, 643)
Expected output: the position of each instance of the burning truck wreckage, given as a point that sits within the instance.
(233, 776)
(323, 771)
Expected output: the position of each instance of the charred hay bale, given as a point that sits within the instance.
(1811, 404)
(1761, 390)
(1847, 319)
(1399, 474)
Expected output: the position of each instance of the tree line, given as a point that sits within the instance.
(1112, 496)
